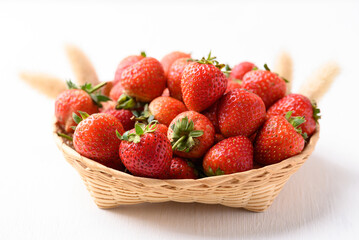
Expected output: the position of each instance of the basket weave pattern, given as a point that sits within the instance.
(253, 190)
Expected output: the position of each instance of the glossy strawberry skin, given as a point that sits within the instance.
(72, 101)
(170, 58)
(151, 157)
(95, 138)
(276, 141)
(234, 154)
(116, 91)
(165, 109)
(174, 77)
(125, 63)
(182, 169)
(124, 116)
(161, 128)
(211, 114)
(240, 112)
(202, 85)
(204, 142)
(265, 84)
(232, 84)
(241, 69)
(144, 80)
(300, 106)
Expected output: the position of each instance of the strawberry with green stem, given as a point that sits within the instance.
(266, 84)
(95, 138)
(145, 152)
(203, 83)
(279, 138)
(84, 98)
(300, 105)
(191, 135)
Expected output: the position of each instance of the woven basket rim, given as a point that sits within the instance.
(93, 165)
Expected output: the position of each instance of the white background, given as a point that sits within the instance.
(42, 197)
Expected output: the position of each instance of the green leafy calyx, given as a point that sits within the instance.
(296, 121)
(127, 102)
(218, 172)
(183, 135)
(316, 112)
(145, 116)
(94, 92)
(140, 129)
(209, 60)
(268, 69)
(78, 119)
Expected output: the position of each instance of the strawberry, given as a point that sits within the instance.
(211, 114)
(145, 152)
(300, 106)
(144, 80)
(279, 139)
(241, 69)
(234, 154)
(76, 99)
(191, 135)
(182, 169)
(125, 63)
(95, 138)
(161, 128)
(174, 77)
(202, 83)
(116, 91)
(240, 112)
(233, 84)
(218, 137)
(124, 116)
(266, 84)
(165, 109)
(170, 58)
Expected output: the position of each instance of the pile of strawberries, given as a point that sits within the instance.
(186, 118)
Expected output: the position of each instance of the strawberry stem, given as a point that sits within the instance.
(64, 136)
(97, 87)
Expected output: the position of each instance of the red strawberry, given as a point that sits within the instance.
(218, 137)
(202, 83)
(145, 152)
(144, 80)
(165, 109)
(191, 135)
(211, 114)
(240, 112)
(231, 155)
(233, 84)
(182, 169)
(170, 58)
(161, 128)
(266, 84)
(75, 100)
(125, 63)
(124, 116)
(300, 106)
(241, 69)
(95, 138)
(278, 139)
(174, 77)
(116, 92)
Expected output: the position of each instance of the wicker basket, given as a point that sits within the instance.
(253, 190)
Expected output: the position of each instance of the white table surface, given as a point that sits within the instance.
(42, 196)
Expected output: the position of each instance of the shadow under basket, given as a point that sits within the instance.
(254, 190)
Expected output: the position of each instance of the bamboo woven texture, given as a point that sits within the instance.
(254, 190)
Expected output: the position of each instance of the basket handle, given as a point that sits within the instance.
(320, 81)
(284, 67)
